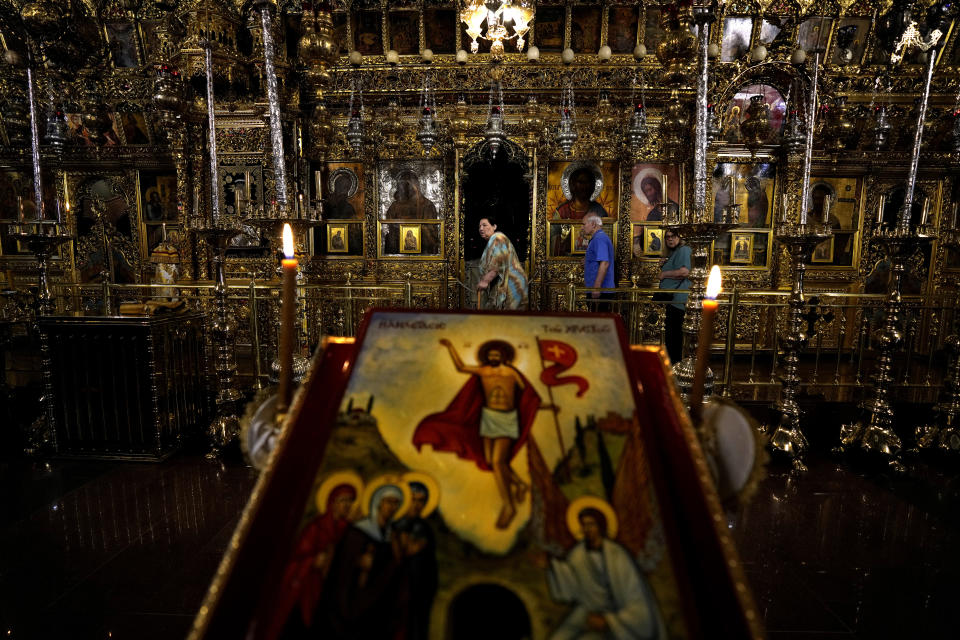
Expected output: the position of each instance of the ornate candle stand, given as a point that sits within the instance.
(786, 437)
(943, 432)
(43, 238)
(226, 425)
(873, 433)
(700, 234)
(271, 228)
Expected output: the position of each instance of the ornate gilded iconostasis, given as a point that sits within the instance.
(398, 137)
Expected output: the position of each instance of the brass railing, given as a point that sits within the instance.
(837, 361)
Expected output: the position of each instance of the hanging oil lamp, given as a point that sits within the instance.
(494, 133)
(755, 128)
(355, 133)
(427, 129)
(567, 131)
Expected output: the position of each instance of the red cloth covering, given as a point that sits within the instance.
(457, 428)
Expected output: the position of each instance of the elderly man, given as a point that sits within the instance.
(598, 261)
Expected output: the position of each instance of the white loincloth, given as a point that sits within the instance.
(499, 424)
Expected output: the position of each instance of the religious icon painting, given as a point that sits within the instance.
(585, 29)
(440, 32)
(573, 190)
(736, 38)
(623, 22)
(157, 196)
(741, 248)
(549, 29)
(814, 33)
(749, 185)
(410, 189)
(134, 129)
(649, 183)
(521, 458)
(652, 31)
(342, 188)
(823, 251)
(844, 194)
(653, 245)
(368, 32)
(409, 238)
(338, 238)
(405, 32)
(122, 38)
(850, 40)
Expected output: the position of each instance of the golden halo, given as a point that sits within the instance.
(388, 478)
(433, 490)
(335, 480)
(601, 505)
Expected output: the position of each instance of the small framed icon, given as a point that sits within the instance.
(410, 238)
(652, 241)
(579, 241)
(337, 238)
(741, 248)
(824, 251)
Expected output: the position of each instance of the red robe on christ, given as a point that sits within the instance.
(457, 428)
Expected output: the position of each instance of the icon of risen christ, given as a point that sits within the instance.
(488, 421)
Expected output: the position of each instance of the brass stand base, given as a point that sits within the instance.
(786, 438)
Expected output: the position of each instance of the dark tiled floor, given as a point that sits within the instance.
(89, 549)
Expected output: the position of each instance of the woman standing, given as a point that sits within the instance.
(674, 270)
(500, 259)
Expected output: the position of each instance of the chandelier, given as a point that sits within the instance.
(505, 21)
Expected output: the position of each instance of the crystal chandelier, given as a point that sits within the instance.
(354, 133)
(913, 38)
(494, 133)
(638, 132)
(567, 131)
(427, 130)
(505, 21)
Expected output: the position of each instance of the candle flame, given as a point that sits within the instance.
(714, 284)
(287, 241)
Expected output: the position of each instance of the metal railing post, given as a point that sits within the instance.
(731, 339)
(408, 291)
(571, 292)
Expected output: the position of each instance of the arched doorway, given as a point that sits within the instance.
(494, 186)
(470, 619)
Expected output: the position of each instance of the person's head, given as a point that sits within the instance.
(495, 352)
(408, 186)
(652, 189)
(594, 526)
(385, 503)
(409, 233)
(671, 239)
(591, 223)
(488, 226)
(419, 494)
(753, 184)
(341, 185)
(582, 184)
(340, 501)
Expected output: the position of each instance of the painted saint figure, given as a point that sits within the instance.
(582, 185)
(488, 422)
(611, 597)
(653, 190)
(366, 592)
(413, 531)
(303, 579)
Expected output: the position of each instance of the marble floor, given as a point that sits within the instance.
(126, 550)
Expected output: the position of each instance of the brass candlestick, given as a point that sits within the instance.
(874, 432)
(943, 432)
(786, 438)
(225, 427)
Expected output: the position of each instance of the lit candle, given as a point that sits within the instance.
(287, 312)
(703, 344)
(926, 211)
(827, 201)
(880, 212)
(20, 207)
(236, 201)
(300, 205)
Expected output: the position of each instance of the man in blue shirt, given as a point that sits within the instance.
(598, 262)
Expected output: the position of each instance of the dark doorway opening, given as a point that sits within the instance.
(496, 186)
(471, 619)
